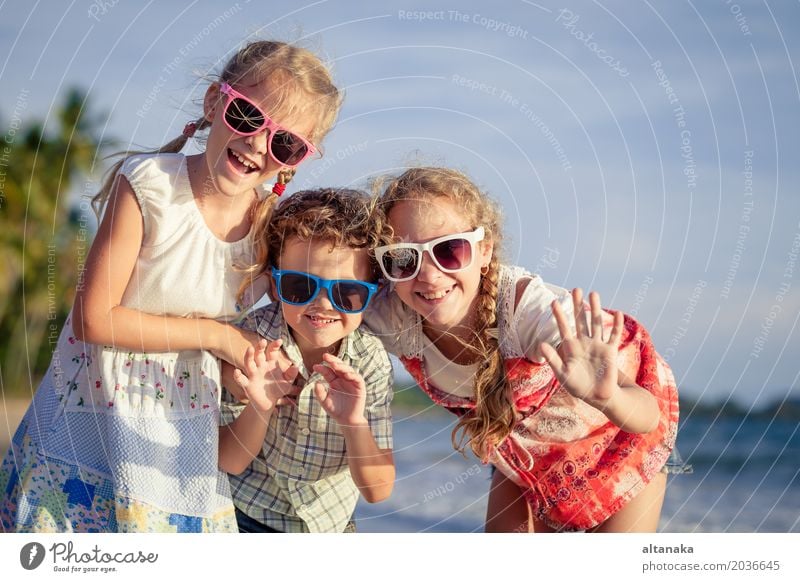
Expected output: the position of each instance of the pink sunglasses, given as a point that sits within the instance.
(244, 117)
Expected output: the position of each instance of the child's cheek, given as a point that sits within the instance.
(351, 322)
(404, 291)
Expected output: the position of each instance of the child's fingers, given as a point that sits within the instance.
(580, 315)
(277, 355)
(343, 370)
(249, 360)
(349, 375)
(240, 378)
(291, 373)
(597, 315)
(258, 350)
(337, 364)
(321, 393)
(552, 358)
(561, 321)
(260, 357)
(616, 331)
(326, 372)
(272, 348)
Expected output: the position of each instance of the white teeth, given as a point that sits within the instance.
(319, 319)
(245, 162)
(436, 295)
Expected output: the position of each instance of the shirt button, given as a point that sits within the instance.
(305, 431)
(302, 508)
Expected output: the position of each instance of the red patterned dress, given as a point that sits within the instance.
(575, 467)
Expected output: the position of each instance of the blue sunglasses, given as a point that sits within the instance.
(346, 295)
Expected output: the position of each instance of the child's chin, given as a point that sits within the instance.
(440, 319)
(326, 338)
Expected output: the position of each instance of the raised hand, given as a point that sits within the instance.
(264, 382)
(585, 364)
(346, 395)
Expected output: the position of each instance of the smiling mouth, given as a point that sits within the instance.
(241, 163)
(318, 321)
(435, 295)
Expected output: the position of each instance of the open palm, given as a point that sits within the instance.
(584, 363)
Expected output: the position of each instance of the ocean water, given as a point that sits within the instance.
(746, 478)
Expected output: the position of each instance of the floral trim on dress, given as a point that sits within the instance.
(124, 383)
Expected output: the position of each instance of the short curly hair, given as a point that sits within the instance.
(344, 217)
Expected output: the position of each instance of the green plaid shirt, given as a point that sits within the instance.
(300, 481)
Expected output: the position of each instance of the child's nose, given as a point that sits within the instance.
(258, 142)
(323, 301)
(428, 270)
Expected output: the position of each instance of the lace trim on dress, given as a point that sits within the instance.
(508, 339)
(411, 334)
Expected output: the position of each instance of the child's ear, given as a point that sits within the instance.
(211, 101)
(487, 248)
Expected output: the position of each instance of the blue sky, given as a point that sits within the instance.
(646, 150)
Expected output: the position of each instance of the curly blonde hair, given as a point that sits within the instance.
(342, 217)
(492, 419)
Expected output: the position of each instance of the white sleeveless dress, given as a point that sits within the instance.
(122, 441)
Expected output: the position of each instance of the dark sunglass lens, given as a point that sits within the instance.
(400, 263)
(453, 254)
(243, 116)
(288, 148)
(296, 288)
(350, 296)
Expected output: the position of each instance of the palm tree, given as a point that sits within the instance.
(42, 240)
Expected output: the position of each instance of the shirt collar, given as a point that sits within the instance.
(273, 326)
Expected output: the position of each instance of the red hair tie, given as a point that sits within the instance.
(284, 177)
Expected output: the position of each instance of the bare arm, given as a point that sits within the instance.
(99, 318)
(263, 383)
(241, 440)
(632, 408)
(372, 468)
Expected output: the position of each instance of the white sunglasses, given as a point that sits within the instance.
(452, 253)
